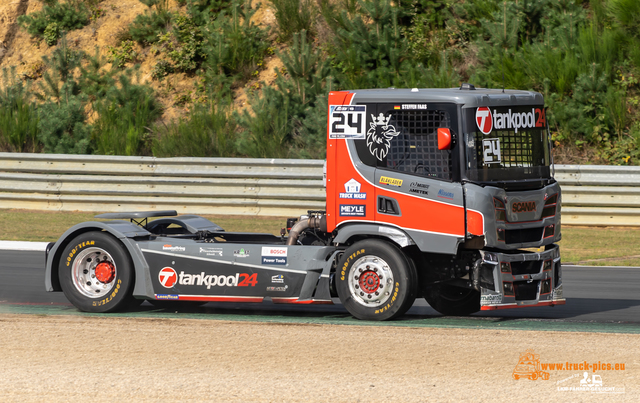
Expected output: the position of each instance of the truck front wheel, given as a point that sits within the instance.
(375, 280)
(96, 273)
(453, 301)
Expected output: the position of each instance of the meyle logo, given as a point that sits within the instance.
(274, 255)
(174, 248)
(520, 207)
(352, 188)
(167, 277)
(353, 210)
(445, 194)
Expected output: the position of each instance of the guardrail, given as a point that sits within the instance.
(599, 194)
(188, 185)
(592, 195)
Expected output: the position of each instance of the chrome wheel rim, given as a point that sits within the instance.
(371, 281)
(94, 272)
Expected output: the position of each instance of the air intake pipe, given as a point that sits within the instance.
(317, 222)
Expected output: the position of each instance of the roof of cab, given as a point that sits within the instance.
(467, 97)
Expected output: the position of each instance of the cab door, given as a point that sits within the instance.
(416, 185)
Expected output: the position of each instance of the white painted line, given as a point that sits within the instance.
(21, 245)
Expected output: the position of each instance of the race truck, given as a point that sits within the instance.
(444, 194)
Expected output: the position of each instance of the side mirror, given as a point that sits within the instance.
(444, 138)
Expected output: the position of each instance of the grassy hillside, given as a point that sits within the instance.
(233, 78)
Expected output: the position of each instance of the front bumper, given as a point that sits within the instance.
(520, 279)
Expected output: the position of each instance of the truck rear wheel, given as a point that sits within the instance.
(96, 273)
(453, 301)
(375, 280)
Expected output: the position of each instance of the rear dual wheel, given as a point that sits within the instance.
(375, 280)
(96, 273)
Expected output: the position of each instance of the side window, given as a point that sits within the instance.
(413, 142)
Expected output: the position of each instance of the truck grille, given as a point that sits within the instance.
(532, 267)
(525, 291)
(512, 236)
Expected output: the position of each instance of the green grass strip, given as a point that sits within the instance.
(314, 318)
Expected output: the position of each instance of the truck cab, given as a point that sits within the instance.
(461, 180)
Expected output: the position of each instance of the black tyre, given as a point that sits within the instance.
(453, 301)
(375, 280)
(96, 273)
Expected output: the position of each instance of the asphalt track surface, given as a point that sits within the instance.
(604, 298)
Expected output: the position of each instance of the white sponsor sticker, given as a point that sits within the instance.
(347, 121)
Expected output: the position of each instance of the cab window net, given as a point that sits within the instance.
(516, 149)
(415, 149)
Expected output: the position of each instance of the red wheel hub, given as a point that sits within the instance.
(369, 282)
(105, 272)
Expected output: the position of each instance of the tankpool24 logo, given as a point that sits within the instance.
(168, 278)
(501, 119)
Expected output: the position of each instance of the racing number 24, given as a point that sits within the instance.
(336, 126)
(248, 280)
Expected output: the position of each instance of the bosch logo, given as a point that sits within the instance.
(277, 252)
(484, 119)
(522, 207)
(277, 256)
(167, 277)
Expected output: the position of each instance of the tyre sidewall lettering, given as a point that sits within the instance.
(396, 304)
(388, 306)
(110, 297)
(350, 259)
(120, 294)
(76, 249)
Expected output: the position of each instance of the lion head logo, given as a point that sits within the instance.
(379, 141)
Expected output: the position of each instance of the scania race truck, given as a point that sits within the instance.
(442, 194)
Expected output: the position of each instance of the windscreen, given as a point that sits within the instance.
(506, 144)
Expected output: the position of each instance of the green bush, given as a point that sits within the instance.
(59, 80)
(287, 119)
(18, 116)
(146, 28)
(268, 130)
(234, 47)
(162, 69)
(183, 44)
(203, 11)
(62, 126)
(124, 116)
(369, 47)
(210, 131)
(51, 34)
(121, 55)
(66, 16)
(294, 16)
